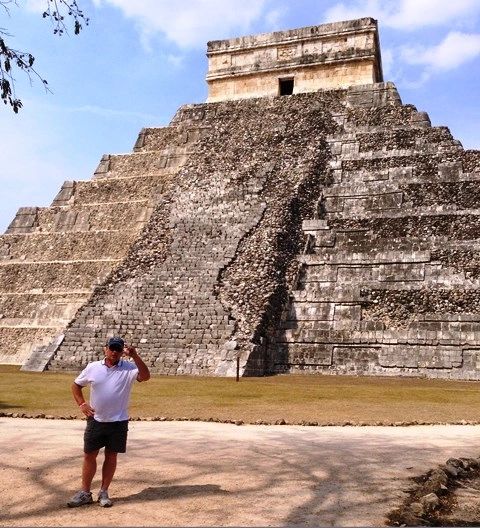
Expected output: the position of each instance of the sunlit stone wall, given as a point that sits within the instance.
(329, 56)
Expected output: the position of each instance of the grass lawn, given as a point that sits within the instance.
(293, 398)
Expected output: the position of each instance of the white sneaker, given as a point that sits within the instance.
(80, 498)
(104, 499)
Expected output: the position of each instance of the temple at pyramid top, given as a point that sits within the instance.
(329, 56)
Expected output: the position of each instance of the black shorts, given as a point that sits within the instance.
(111, 435)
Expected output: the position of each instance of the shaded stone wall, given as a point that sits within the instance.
(389, 280)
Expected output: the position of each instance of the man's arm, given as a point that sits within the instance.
(143, 372)
(78, 396)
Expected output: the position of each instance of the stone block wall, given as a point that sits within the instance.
(207, 277)
(389, 280)
(332, 232)
(53, 258)
(329, 56)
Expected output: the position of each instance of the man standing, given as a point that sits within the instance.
(107, 413)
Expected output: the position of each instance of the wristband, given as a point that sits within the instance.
(84, 403)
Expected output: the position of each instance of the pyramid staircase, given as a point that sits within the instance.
(175, 309)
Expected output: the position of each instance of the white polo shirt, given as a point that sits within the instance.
(110, 388)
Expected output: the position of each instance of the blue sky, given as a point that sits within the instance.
(139, 60)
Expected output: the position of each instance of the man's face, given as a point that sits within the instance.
(114, 355)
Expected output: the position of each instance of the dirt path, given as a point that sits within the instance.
(206, 474)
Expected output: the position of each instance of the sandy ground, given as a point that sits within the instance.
(206, 474)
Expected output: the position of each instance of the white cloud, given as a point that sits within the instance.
(340, 11)
(108, 112)
(274, 17)
(387, 62)
(406, 14)
(414, 14)
(191, 23)
(456, 49)
(176, 61)
(36, 6)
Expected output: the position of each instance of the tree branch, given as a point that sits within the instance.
(12, 60)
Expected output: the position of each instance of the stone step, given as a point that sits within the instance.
(391, 180)
(454, 225)
(314, 225)
(351, 320)
(16, 344)
(421, 166)
(141, 163)
(68, 195)
(353, 205)
(385, 116)
(41, 355)
(462, 233)
(27, 262)
(53, 277)
(386, 196)
(92, 217)
(395, 142)
(41, 246)
(351, 151)
(361, 209)
(362, 224)
(374, 332)
(415, 359)
(351, 292)
(344, 274)
(308, 311)
(26, 323)
(425, 274)
(432, 212)
(193, 114)
(378, 121)
(372, 257)
(155, 139)
(459, 194)
(66, 366)
(39, 309)
(394, 136)
(365, 242)
(358, 189)
(114, 190)
(328, 292)
(88, 206)
(445, 171)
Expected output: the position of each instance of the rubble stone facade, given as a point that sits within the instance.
(332, 232)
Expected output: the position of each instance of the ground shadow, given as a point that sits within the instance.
(172, 492)
(4, 405)
(37, 475)
(283, 476)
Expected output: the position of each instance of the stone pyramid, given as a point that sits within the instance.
(302, 220)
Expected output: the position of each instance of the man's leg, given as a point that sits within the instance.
(89, 469)
(108, 468)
